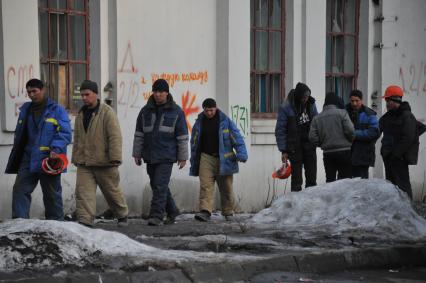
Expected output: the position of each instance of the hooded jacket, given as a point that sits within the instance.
(288, 133)
(161, 134)
(400, 134)
(53, 134)
(229, 139)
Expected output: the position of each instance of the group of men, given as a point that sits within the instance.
(43, 133)
(347, 135)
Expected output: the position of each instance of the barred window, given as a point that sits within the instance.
(64, 49)
(267, 56)
(342, 46)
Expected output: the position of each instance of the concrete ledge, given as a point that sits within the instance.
(222, 272)
(305, 262)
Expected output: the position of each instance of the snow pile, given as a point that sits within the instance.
(38, 244)
(373, 206)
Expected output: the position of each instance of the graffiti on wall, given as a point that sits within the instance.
(240, 116)
(16, 78)
(413, 78)
(188, 107)
(134, 87)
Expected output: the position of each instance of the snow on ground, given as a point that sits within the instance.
(373, 206)
(38, 244)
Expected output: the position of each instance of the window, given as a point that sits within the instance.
(267, 57)
(342, 46)
(64, 49)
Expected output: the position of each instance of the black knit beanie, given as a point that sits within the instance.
(87, 84)
(332, 99)
(160, 85)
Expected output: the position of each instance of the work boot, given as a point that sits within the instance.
(122, 222)
(229, 217)
(107, 214)
(171, 218)
(154, 221)
(202, 216)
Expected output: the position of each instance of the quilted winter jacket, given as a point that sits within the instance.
(230, 139)
(102, 143)
(161, 134)
(54, 135)
(366, 134)
(286, 130)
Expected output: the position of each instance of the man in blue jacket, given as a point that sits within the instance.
(367, 132)
(213, 141)
(161, 139)
(292, 135)
(43, 130)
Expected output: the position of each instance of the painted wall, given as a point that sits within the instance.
(174, 40)
(404, 64)
(19, 55)
(202, 48)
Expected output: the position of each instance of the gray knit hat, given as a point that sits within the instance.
(87, 84)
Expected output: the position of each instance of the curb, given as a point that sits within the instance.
(315, 262)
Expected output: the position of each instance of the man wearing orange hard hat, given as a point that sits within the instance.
(400, 142)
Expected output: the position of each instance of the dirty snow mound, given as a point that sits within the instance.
(39, 244)
(375, 206)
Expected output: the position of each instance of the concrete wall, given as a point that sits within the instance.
(203, 48)
(19, 53)
(404, 63)
(175, 40)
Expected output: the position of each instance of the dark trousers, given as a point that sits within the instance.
(360, 171)
(25, 184)
(396, 171)
(337, 162)
(305, 157)
(162, 200)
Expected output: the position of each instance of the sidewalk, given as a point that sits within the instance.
(251, 252)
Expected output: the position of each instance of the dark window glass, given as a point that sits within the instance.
(63, 43)
(341, 43)
(58, 4)
(266, 57)
(78, 38)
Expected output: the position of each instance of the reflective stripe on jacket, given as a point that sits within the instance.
(54, 134)
(161, 134)
(231, 146)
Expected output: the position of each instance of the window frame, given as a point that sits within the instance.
(334, 35)
(254, 71)
(68, 62)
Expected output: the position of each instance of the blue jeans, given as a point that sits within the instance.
(162, 200)
(25, 184)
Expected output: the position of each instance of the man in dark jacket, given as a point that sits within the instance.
(161, 139)
(43, 130)
(366, 134)
(292, 135)
(400, 142)
(213, 140)
(333, 131)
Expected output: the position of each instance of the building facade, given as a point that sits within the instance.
(245, 54)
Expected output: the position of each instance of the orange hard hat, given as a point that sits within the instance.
(284, 172)
(54, 166)
(393, 90)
